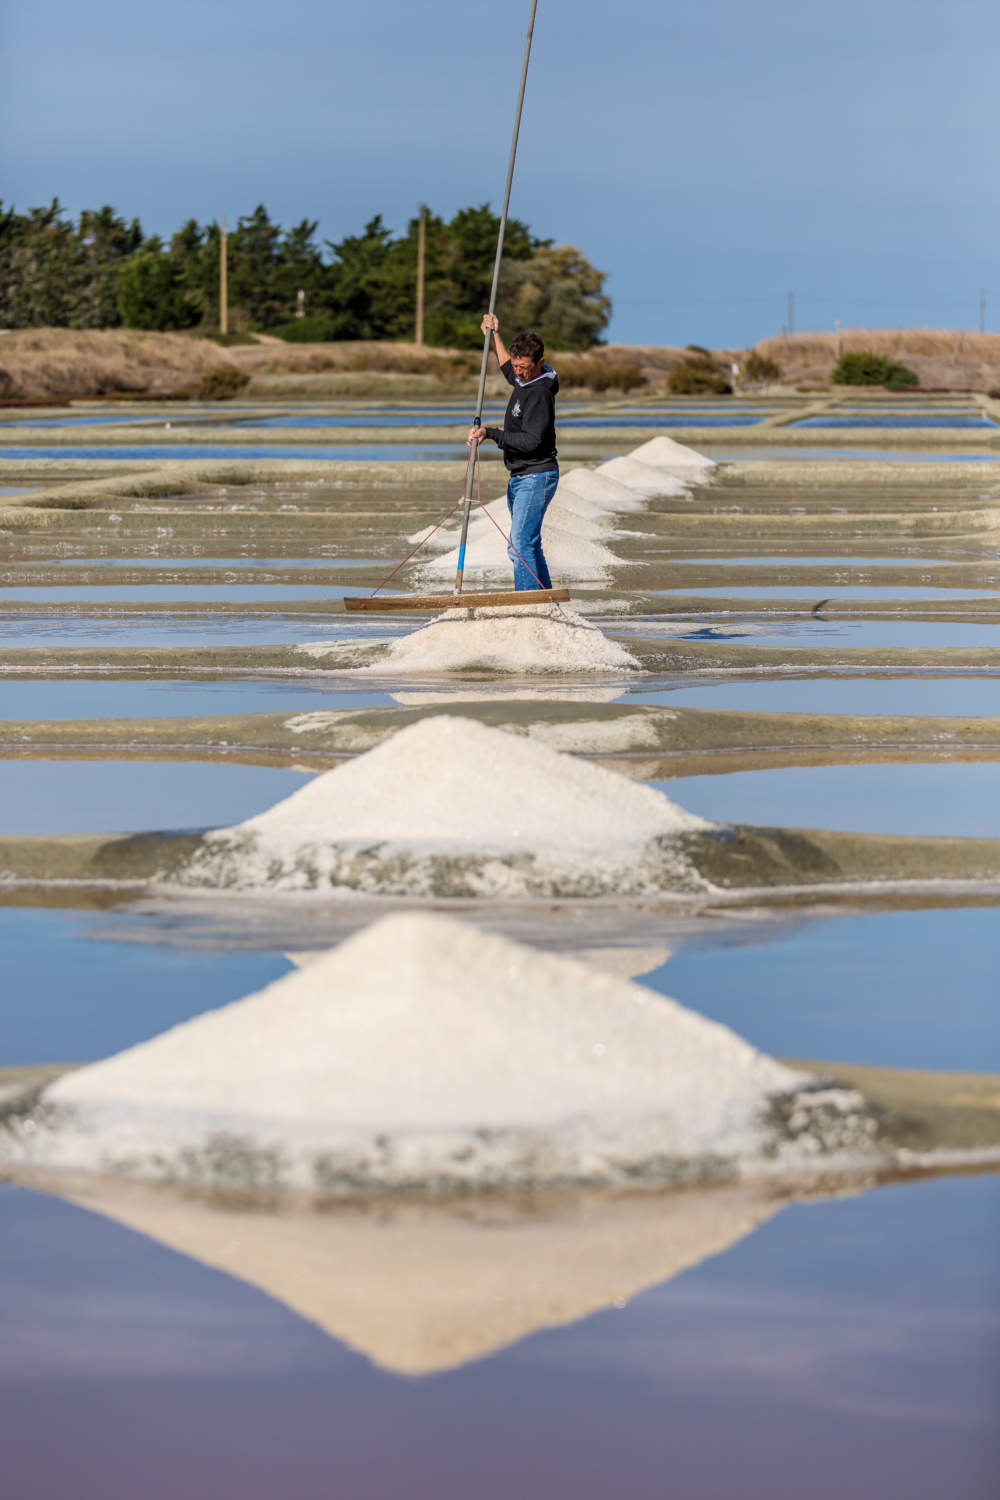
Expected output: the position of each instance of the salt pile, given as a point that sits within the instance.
(423, 1050)
(448, 807)
(600, 490)
(664, 453)
(643, 479)
(520, 640)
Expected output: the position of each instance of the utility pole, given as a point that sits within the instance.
(840, 341)
(982, 311)
(791, 312)
(223, 287)
(421, 237)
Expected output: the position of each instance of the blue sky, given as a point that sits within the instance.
(710, 159)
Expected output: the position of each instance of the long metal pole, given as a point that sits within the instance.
(478, 422)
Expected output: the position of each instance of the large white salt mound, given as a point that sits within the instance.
(663, 452)
(601, 491)
(448, 806)
(519, 640)
(643, 479)
(423, 1049)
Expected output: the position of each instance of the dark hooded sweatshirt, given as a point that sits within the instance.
(528, 434)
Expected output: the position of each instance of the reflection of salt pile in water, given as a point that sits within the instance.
(497, 1273)
(447, 807)
(424, 1050)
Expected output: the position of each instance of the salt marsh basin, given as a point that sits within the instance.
(895, 975)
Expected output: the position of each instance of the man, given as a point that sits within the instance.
(528, 441)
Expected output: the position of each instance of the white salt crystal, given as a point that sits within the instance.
(448, 806)
(664, 452)
(519, 639)
(420, 1049)
(643, 479)
(600, 490)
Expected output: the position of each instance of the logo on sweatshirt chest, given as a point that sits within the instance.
(515, 410)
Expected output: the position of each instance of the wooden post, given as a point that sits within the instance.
(421, 237)
(223, 286)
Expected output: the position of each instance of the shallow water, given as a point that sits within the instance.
(111, 419)
(765, 452)
(103, 698)
(669, 419)
(306, 452)
(834, 591)
(822, 631)
(968, 697)
(122, 796)
(840, 1342)
(955, 799)
(445, 417)
(864, 989)
(910, 419)
(221, 561)
(844, 560)
(176, 630)
(182, 593)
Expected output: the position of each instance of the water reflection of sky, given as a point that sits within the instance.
(841, 1342)
(910, 419)
(955, 799)
(305, 452)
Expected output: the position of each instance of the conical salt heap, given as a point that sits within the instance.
(518, 640)
(664, 453)
(448, 807)
(653, 482)
(422, 1051)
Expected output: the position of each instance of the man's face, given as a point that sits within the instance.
(525, 369)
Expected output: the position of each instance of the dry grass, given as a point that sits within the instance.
(62, 362)
(943, 359)
(38, 362)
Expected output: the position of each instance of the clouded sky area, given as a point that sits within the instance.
(711, 158)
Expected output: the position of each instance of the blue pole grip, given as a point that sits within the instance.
(461, 558)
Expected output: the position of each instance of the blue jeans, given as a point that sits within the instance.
(528, 497)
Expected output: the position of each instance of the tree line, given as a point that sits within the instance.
(102, 271)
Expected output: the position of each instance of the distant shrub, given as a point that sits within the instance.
(316, 328)
(759, 367)
(222, 385)
(698, 349)
(601, 374)
(900, 377)
(865, 367)
(698, 377)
